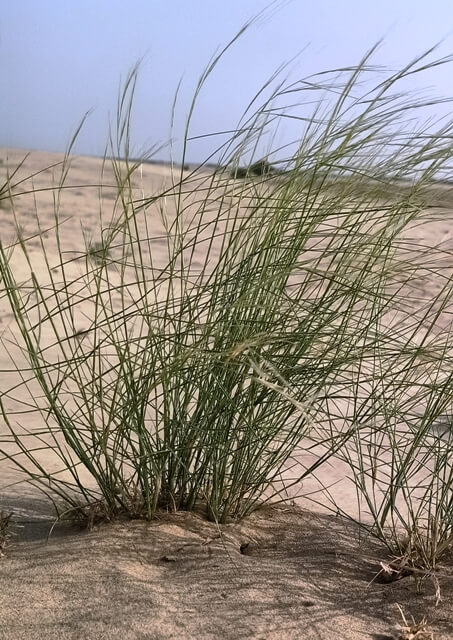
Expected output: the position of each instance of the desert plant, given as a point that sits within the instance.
(411, 630)
(259, 168)
(402, 471)
(4, 525)
(239, 172)
(98, 252)
(5, 198)
(259, 332)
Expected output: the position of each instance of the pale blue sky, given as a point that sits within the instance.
(60, 58)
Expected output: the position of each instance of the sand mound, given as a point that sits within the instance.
(279, 574)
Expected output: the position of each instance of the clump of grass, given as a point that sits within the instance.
(240, 172)
(411, 630)
(5, 199)
(251, 324)
(5, 519)
(401, 467)
(98, 252)
(259, 168)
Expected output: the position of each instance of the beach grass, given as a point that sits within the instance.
(282, 320)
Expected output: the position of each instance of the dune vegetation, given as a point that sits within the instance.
(219, 331)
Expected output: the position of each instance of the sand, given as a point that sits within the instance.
(283, 572)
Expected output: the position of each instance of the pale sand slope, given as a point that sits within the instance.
(307, 575)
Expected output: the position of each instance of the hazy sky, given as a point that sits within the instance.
(60, 58)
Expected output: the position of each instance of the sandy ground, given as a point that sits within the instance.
(299, 576)
(304, 574)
